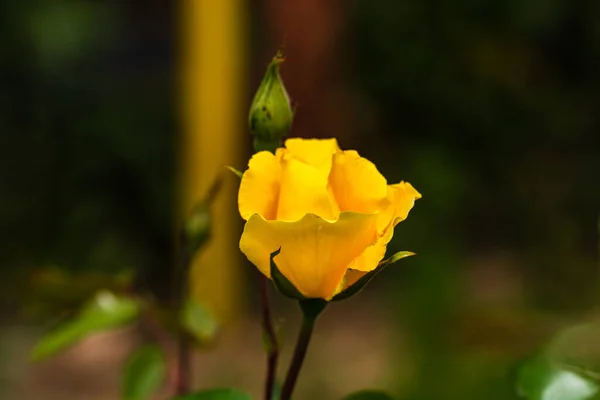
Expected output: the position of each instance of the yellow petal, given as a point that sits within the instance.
(352, 276)
(369, 259)
(314, 253)
(402, 196)
(315, 152)
(259, 188)
(303, 191)
(356, 183)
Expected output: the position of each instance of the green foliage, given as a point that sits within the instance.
(542, 379)
(577, 346)
(144, 372)
(215, 394)
(55, 290)
(362, 282)
(199, 322)
(105, 311)
(568, 368)
(368, 395)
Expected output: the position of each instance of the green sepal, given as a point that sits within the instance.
(266, 145)
(362, 282)
(283, 285)
(396, 257)
(235, 171)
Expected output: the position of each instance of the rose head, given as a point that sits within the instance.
(330, 212)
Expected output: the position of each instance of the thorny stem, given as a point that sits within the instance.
(270, 338)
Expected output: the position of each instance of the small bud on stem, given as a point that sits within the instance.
(271, 113)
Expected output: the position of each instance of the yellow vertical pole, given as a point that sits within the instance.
(213, 128)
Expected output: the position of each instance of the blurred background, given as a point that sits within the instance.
(115, 117)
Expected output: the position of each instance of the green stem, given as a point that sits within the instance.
(311, 308)
(183, 355)
(270, 337)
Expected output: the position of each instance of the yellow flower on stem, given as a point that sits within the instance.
(330, 213)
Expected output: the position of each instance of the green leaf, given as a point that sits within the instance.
(577, 346)
(368, 395)
(541, 379)
(199, 322)
(105, 311)
(235, 171)
(53, 290)
(282, 284)
(144, 373)
(215, 394)
(362, 282)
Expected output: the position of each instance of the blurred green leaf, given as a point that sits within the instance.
(368, 395)
(199, 322)
(54, 290)
(216, 394)
(105, 311)
(541, 379)
(578, 347)
(144, 372)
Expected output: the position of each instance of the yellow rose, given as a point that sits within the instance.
(330, 211)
